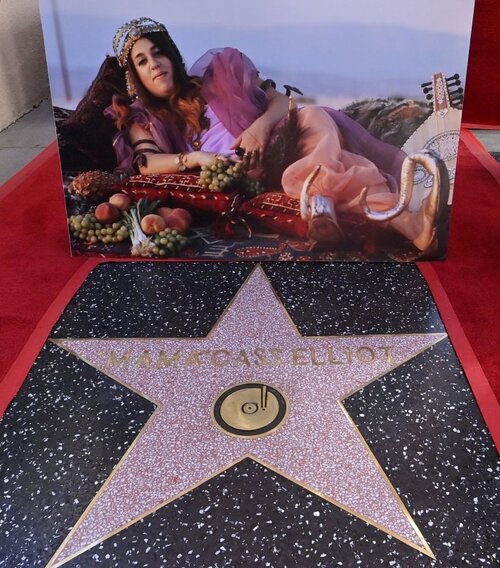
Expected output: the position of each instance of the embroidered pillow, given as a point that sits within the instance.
(276, 212)
(177, 190)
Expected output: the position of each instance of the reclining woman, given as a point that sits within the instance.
(174, 121)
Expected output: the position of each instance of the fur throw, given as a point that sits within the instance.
(284, 149)
(392, 120)
(85, 137)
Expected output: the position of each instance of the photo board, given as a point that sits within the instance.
(307, 131)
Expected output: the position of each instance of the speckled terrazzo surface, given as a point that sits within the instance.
(59, 441)
(419, 419)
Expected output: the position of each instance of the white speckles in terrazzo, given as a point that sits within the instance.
(318, 446)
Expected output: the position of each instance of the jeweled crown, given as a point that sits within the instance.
(129, 33)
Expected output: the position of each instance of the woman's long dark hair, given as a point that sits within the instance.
(184, 107)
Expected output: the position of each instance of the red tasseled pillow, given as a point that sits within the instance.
(276, 212)
(177, 190)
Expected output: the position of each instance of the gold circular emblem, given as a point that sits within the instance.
(250, 410)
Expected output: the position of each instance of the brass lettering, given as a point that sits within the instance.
(365, 355)
(348, 355)
(144, 360)
(218, 360)
(165, 360)
(314, 360)
(261, 359)
(331, 357)
(276, 353)
(242, 357)
(193, 359)
(114, 361)
(388, 354)
(298, 357)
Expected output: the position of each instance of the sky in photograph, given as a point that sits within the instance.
(326, 47)
(432, 15)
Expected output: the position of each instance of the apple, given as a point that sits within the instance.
(152, 224)
(107, 213)
(120, 200)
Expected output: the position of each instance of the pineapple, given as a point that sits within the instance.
(95, 184)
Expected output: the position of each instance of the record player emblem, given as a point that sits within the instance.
(250, 410)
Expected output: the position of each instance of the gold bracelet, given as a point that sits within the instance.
(181, 161)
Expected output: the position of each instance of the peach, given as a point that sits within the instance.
(152, 224)
(179, 219)
(121, 200)
(107, 213)
(164, 211)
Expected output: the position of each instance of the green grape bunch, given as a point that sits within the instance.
(221, 174)
(252, 186)
(86, 228)
(168, 242)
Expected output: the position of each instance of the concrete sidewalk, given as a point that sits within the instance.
(24, 139)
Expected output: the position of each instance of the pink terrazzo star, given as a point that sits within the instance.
(254, 341)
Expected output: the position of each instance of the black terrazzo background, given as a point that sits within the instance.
(185, 299)
(249, 516)
(420, 420)
(424, 426)
(154, 299)
(59, 440)
(354, 299)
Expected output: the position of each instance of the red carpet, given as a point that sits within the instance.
(482, 92)
(34, 259)
(471, 273)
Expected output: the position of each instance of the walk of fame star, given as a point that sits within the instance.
(254, 361)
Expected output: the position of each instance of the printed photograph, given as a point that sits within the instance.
(269, 131)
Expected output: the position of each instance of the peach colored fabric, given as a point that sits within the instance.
(343, 174)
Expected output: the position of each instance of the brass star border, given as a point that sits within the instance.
(433, 338)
